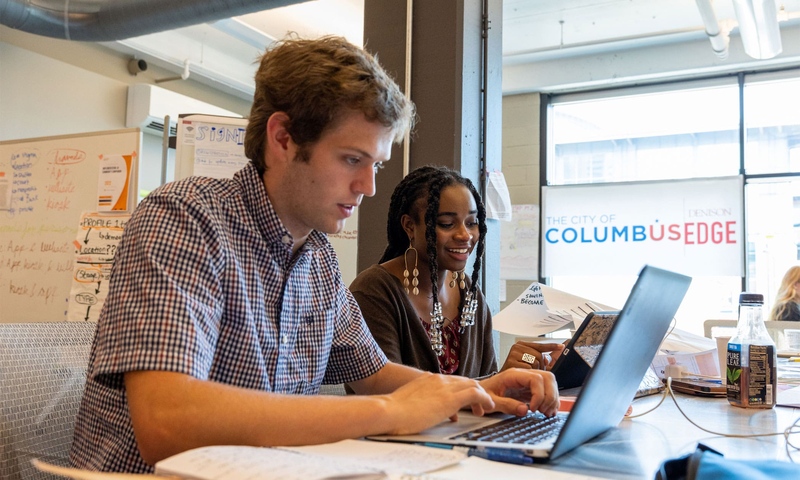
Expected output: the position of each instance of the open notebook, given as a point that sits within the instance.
(606, 394)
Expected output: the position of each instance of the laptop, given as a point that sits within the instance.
(606, 394)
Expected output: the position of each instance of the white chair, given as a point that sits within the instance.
(774, 328)
(42, 376)
(337, 389)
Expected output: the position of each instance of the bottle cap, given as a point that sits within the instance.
(745, 298)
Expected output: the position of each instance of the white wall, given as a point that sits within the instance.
(40, 96)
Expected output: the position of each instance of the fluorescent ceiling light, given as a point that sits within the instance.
(244, 32)
(758, 27)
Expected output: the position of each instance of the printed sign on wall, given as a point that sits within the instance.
(689, 226)
(519, 244)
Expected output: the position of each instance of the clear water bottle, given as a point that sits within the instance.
(752, 358)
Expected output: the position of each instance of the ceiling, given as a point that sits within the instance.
(562, 26)
(223, 53)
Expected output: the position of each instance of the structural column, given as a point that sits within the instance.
(449, 56)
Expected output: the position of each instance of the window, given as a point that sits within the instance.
(687, 133)
(772, 126)
(773, 232)
(691, 130)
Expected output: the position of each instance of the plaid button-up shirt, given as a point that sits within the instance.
(205, 283)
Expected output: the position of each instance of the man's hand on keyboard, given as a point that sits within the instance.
(515, 391)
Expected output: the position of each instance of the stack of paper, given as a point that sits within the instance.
(540, 310)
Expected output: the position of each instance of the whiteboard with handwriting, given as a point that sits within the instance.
(45, 186)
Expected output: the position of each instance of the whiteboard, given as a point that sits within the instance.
(45, 185)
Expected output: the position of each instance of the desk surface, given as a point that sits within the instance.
(638, 446)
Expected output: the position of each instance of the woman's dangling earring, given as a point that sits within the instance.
(414, 274)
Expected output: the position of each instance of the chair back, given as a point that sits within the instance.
(42, 376)
(774, 328)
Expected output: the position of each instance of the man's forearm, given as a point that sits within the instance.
(172, 412)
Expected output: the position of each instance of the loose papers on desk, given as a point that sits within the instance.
(346, 459)
(705, 364)
(394, 459)
(698, 355)
(231, 462)
(540, 310)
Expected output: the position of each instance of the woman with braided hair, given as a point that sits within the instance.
(418, 302)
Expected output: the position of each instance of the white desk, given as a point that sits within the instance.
(633, 450)
(638, 446)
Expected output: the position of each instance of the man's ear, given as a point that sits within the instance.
(279, 141)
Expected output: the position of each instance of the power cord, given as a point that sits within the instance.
(663, 397)
(791, 430)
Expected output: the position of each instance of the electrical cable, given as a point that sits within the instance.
(663, 397)
(786, 433)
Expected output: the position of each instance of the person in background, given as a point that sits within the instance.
(787, 302)
(418, 302)
(226, 310)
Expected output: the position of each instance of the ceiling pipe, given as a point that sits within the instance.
(182, 76)
(758, 27)
(720, 38)
(109, 20)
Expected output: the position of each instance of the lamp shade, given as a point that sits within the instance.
(758, 27)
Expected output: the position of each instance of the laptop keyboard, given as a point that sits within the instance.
(530, 429)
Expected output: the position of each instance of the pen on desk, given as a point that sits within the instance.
(517, 457)
(446, 446)
(794, 359)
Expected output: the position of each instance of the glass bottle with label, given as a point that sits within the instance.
(752, 358)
